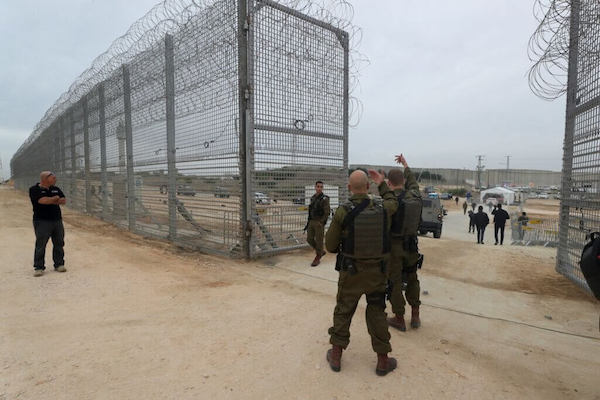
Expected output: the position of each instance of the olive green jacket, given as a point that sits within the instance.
(322, 204)
(335, 234)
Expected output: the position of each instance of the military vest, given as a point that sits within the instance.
(590, 263)
(407, 217)
(368, 236)
(316, 209)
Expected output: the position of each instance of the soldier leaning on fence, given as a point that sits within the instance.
(522, 220)
(404, 250)
(359, 233)
(318, 212)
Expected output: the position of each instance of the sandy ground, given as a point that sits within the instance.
(138, 319)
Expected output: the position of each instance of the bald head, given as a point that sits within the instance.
(47, 178)
(358, 182)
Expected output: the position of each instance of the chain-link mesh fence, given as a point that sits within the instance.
(580, 202)
(534, 231)
(207, 124)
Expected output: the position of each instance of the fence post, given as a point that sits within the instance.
(171, 156)
(86, 155)
(245, 157)
(102, 123)
(346, 46)
(129, 149)
(73, 157)
(567, 170)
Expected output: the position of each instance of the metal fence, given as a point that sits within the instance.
(536, 231)
(209, 128)
(580, 202)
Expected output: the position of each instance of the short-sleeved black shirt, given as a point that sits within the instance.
(45, 211)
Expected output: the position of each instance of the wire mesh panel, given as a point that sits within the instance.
(299, 81)
(207, 124)
(580, 204)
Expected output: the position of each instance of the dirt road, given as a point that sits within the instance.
(137, 319)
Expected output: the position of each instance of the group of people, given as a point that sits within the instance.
(478, 221)
(376, 247)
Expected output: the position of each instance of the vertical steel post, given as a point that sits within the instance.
(129, 149)
(86, 155)
(73, 157)
(171, 156)
(567, 172)
(102, 125)
(244, 96)
(346, 115)
(63, 150)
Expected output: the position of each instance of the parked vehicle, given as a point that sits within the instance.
(446, 196)
(433, 195)
(185, 190)
(543, 196)
(299, 200)
(221, 192)
(261, 198)
(432, 217)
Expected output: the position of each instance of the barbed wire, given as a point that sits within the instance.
(550, 44)
(549, 48)
(172, 16)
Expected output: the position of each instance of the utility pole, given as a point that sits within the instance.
(480, 168)
(507, 163)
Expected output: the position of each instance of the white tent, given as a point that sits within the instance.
(507, 194)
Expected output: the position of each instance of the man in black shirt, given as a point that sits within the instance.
(500, 217)
(47, 222)
(481, 222)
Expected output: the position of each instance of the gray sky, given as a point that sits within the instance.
(446, 80)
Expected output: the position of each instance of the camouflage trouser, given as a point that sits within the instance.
(369, 280)
(314, 236)
(400, 260)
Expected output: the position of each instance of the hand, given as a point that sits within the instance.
(401, 160)
(376, 176)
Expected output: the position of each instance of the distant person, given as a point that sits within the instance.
(318, 213)
(46, 199)
(500, 217)
(465, 206)
(468, 197)
(481, 222)
(522, 220)
(471, 221)
(456, 200)
(490, 205)
(473, 205)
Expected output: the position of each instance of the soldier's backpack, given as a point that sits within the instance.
(368, 236)
(590, 263)
(407, 218)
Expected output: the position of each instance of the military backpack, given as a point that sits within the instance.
(368, 236)
(407, 218)
(590, 263)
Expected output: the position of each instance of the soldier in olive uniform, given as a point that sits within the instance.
(318, 212)
(359, 234)
(404, 253)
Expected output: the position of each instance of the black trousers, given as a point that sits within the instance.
(501, 229)
(480, 232)
(44, 230)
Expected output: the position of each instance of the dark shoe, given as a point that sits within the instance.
(334, 357)
(496, 244)
(60, 268)
(415, 321)
(316, 261)
(385, 364)
(38, 272)
(397, 322)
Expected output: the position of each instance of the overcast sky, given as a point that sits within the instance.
(446, 80)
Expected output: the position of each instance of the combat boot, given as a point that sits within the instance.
(334, 357)
(415, 321)
(317, 260)
(385, 364)
(397, 322)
